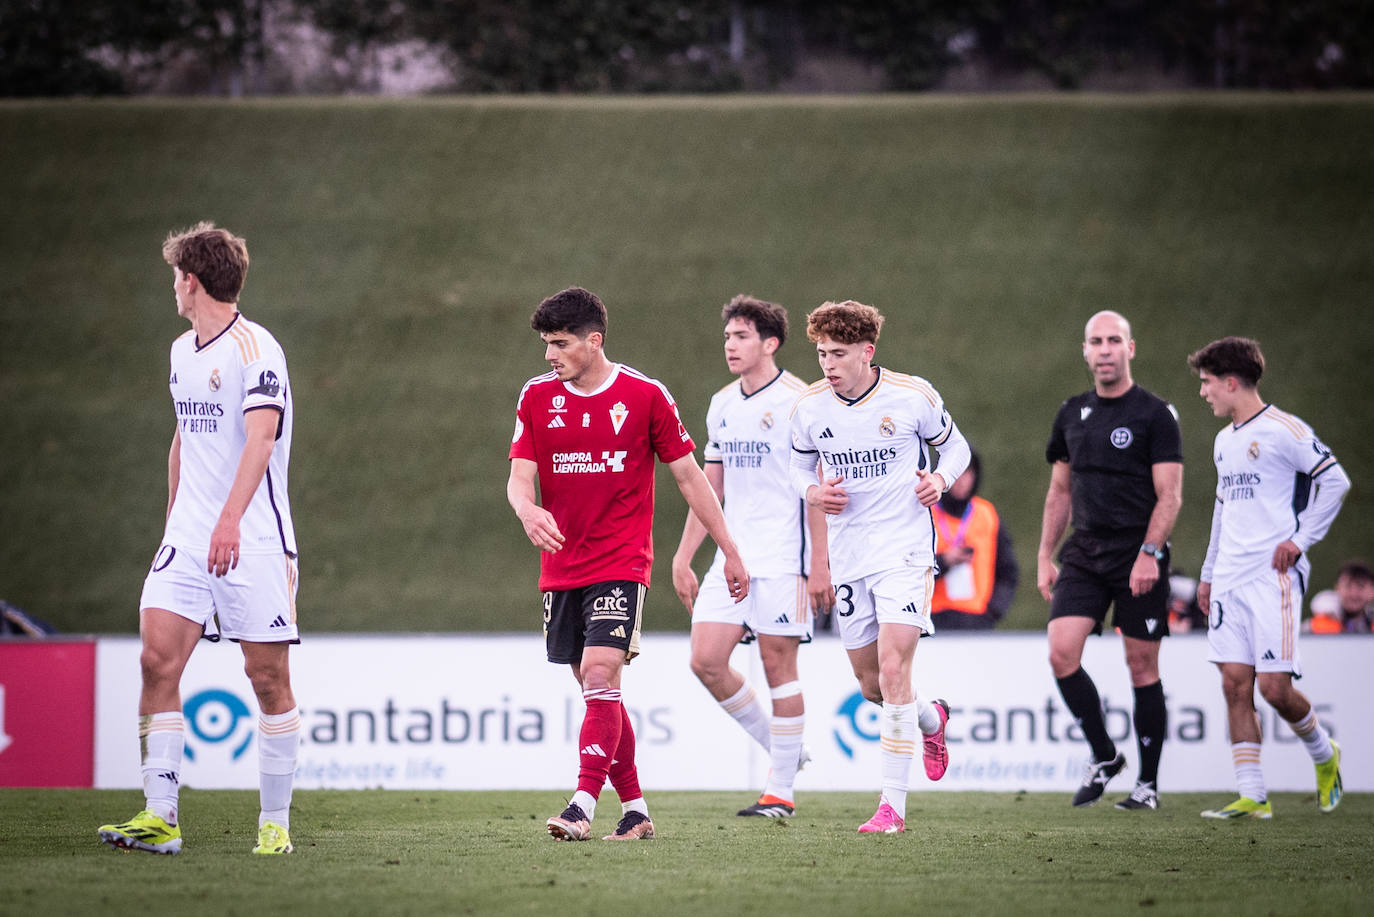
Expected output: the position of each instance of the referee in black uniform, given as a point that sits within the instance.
(1116, 463)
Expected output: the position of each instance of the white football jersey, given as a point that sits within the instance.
(1266, 472)
(877, 443)
(749, 437)
(213, 386)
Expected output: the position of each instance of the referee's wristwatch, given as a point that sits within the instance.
(1153, 550)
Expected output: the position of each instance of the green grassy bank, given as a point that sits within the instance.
(399, 247)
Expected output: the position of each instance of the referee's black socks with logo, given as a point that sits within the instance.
(1080, 694)
(1151, 723)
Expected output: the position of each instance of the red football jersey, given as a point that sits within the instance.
(596, 471)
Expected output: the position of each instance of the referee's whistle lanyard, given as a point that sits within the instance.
(957, 539)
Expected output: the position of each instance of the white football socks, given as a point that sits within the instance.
(898, 743)
(279, 736)
(161, 739)
(1316, 739)
(1249, 777)
(748, 711)
(927, 717)
(784, 755)
(584, 801)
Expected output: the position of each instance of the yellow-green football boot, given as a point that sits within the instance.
(145, 831)
(1244, 807)
(1329, 780)
(273, 838)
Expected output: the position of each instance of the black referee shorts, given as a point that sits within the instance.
(1095, 573)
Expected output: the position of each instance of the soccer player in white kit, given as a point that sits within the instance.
(1278, 491)
(229, 548)
(746, 461)
(870, 429)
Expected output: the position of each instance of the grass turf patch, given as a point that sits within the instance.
(370, 852)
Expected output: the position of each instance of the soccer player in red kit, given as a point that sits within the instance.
(587, 434)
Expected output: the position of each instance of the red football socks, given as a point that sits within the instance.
(624, 775)
(600, 738)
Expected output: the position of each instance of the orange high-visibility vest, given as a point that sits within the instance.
(1326, 624)
(980, 534)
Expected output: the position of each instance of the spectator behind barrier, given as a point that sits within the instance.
(1348, 608)
(1184, 613)
(977, 566)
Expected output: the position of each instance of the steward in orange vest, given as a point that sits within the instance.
(977, 566)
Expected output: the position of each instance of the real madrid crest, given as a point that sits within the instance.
(214, 380)
(886, 427)
(766, 421)
(1253, 451)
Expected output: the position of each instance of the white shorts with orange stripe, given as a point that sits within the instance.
(776, 606)
(1256, 624)
(255, 602)
(900, 596)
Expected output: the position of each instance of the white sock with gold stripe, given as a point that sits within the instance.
(161, 739)
(745, 707)
(1314, 737)
(279, 738)
(898, 744)
(784, 755)
(1249, 776)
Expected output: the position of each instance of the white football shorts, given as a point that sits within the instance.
(254, 602)
(776, 606)
(899, 596)
(1257, 623)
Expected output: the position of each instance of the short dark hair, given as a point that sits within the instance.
(1356, 569)
(1230, 356)
(574, 310)
(217, 257)
(769, 318)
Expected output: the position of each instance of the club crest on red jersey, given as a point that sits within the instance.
(618, 414)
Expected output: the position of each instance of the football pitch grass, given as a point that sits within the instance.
(394, 852)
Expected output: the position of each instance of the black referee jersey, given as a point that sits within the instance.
(1111, 445)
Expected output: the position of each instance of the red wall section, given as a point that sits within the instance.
(47, 713)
